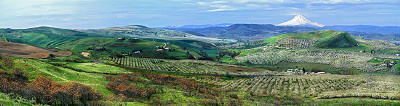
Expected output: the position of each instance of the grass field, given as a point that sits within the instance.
(44, 37)
(7, 101)
(148, 47)
(63, 75)
(64, 39)
(357, 102)
(323, 38)
(92, 74)
(97, 68)
(316, 35)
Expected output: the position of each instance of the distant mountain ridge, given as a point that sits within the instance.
(386, 33)
(246, 31)
(366, 28)
(146, 32)
(260, 31)
(297, 24)
(136, 31)
(198, 26)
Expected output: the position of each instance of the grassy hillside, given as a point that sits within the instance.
(126, 86)
(118, 85)
(324, 38)
(342, 40)
(8, 101)
(100, 46)
(44, 37)
(137, 31)
(298, 47)
(117, 77)
(76, 41)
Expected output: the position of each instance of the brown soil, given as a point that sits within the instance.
(27, 51)
(238, 69)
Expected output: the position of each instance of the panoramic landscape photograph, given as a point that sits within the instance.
(200, 53)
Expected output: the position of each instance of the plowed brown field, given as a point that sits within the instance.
(27, 51)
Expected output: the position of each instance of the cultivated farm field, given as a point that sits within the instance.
(315, 86)
(23, 50)
(185, 66)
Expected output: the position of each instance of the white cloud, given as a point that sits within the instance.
(221, 8)
(298, 1)
(30, 13)
(40, 7)
(227, 5)
(338, 1)
(260, 1)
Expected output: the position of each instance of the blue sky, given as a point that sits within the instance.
(155, 13)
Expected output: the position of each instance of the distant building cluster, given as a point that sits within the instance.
(302, 71)
(164, 47)
(85, 54)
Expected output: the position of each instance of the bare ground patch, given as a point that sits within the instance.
(27, 51)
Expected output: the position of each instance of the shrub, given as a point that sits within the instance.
(45, 91)
(185, 84)
(7, 62)
(120, 85)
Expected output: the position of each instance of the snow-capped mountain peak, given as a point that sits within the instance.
(300, 20)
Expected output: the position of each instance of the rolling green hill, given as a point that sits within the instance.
(322, 38)
(44, 37)
(139, 87)
(136, 31)
(101, 46)
(76, 80)
(76, 41)
(342, 40)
